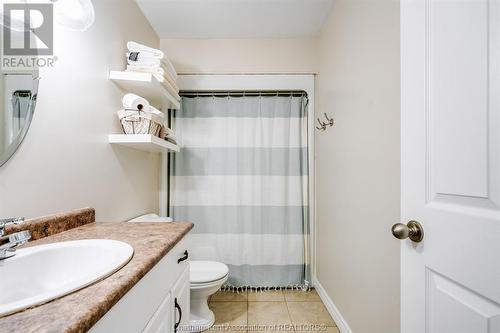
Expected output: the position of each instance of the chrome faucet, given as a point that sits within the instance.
(10, 242)
(10, 221)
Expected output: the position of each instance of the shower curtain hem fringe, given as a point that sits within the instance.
(229, 288)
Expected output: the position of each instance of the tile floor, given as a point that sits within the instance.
(270, 311)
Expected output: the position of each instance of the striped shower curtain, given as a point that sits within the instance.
(242, 178)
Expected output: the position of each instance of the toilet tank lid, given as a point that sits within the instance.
(152, 218)
(206, 271)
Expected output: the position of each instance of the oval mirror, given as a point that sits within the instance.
(18, 94)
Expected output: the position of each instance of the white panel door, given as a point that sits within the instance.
(450, 60)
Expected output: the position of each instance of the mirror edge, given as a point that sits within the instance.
(15, 145)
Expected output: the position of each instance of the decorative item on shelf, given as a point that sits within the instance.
(169, 135)
(322, 125)
(140, 122)
(139, 117)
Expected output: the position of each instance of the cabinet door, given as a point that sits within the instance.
(162, 321)
(181, 307)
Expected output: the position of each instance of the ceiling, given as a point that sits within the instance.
(236, 18)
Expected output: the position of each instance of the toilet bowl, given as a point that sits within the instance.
(206, 278)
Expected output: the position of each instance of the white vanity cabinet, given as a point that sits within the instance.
(180, 294)
(158, 303)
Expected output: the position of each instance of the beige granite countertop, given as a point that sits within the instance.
(79, 311)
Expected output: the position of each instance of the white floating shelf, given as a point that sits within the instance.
(145, 85)
(144, 142)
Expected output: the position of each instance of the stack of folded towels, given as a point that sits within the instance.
(144, 59)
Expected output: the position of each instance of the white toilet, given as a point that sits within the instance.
(206, 277)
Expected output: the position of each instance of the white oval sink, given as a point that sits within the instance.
(39, 274)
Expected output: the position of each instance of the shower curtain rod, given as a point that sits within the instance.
(242, 93)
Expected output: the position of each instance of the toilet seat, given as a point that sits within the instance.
(207, 272)
(206, 278)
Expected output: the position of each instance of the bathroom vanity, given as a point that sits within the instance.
(159, 302)
(149, 294)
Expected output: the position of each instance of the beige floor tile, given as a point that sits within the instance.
(266, 296)
(229, 313)
(309, 313)
(268, 313)
(320, 330)
(228, 296)
(301, 296)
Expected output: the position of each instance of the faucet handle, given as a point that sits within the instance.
(20, 237)
(12, 220)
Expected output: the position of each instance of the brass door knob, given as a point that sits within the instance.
(412, 230)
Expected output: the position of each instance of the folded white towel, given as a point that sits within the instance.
(159, 77)
(134, 102)
(170, 134)
(170, 89)
(171, 80)
(142, 60)
(167, 65)
(158, 73)
(171, 139)
(136, 47)
(169, 131)
(145, 69)
(152, 63)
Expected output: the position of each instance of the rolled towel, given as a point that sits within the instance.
(134, 102)
(136, 47)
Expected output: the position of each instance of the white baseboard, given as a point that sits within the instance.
(332, 309)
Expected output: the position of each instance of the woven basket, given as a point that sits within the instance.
(140, 122)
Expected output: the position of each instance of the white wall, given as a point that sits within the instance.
(2, 114)
(65, 161)
(358, 163)
(241, 55)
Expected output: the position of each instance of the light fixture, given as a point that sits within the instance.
(77, 15)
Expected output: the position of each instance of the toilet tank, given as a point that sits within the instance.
(152, 218)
